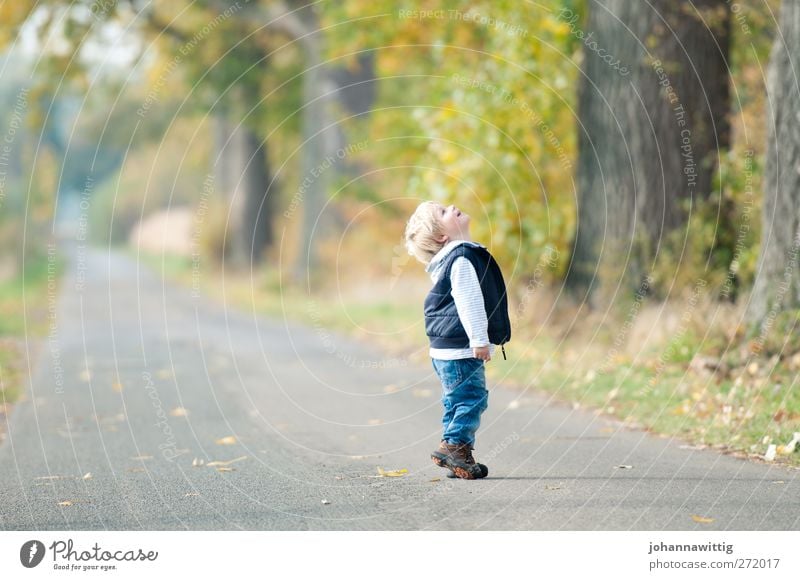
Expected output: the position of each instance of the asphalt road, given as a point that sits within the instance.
(140, 382)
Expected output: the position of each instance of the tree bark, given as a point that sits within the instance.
(243, 174)
(652, 106)
(776, 285)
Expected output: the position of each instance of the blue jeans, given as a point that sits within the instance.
(464, 397)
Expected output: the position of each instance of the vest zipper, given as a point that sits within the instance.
(504, 352)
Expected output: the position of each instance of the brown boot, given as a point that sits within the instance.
(458, 459)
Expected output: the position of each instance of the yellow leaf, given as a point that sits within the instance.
(65, 503)
(220, 463)
(225, 469)
(178, 412)
(702, 520)
(394, 473)
(229, 440)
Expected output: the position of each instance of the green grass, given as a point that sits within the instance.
(23, 316)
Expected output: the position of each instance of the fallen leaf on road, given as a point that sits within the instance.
(221, 463)
(552, 487)
(435, 479)
(65, 503)
(394, 473)
(142, 457)
(229, 440)
(702, 520)
(325, 502)
(191, 494)
(226, 469)
(197, 462)
(87, 476)
(135, 470)
(178, 412)
(51, 477)
(623, 467)
(781, 482)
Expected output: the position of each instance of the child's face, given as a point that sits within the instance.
(454, 222)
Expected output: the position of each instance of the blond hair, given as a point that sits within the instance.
(422, 230)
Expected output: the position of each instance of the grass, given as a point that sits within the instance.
(750, 402)
(23, 317)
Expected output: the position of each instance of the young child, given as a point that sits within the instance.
(466, 315)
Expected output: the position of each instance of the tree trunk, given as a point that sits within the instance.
(319, 146)
(652, 105)
(243, 174)
(776, 284)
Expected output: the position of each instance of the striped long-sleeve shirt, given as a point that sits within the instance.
(468, 297)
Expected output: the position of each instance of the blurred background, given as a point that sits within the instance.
(633, 166)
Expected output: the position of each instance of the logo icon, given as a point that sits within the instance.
(31, 553)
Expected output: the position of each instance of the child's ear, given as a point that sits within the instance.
(442, 239)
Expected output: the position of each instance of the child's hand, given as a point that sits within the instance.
(482, 352)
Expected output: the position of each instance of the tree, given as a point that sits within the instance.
(777, 281)
(652, 109)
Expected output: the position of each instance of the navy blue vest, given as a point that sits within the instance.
(442, 325)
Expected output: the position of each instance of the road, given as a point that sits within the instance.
(151, 408)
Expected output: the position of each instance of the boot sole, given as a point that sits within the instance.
(483, 473)
(459, 470)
